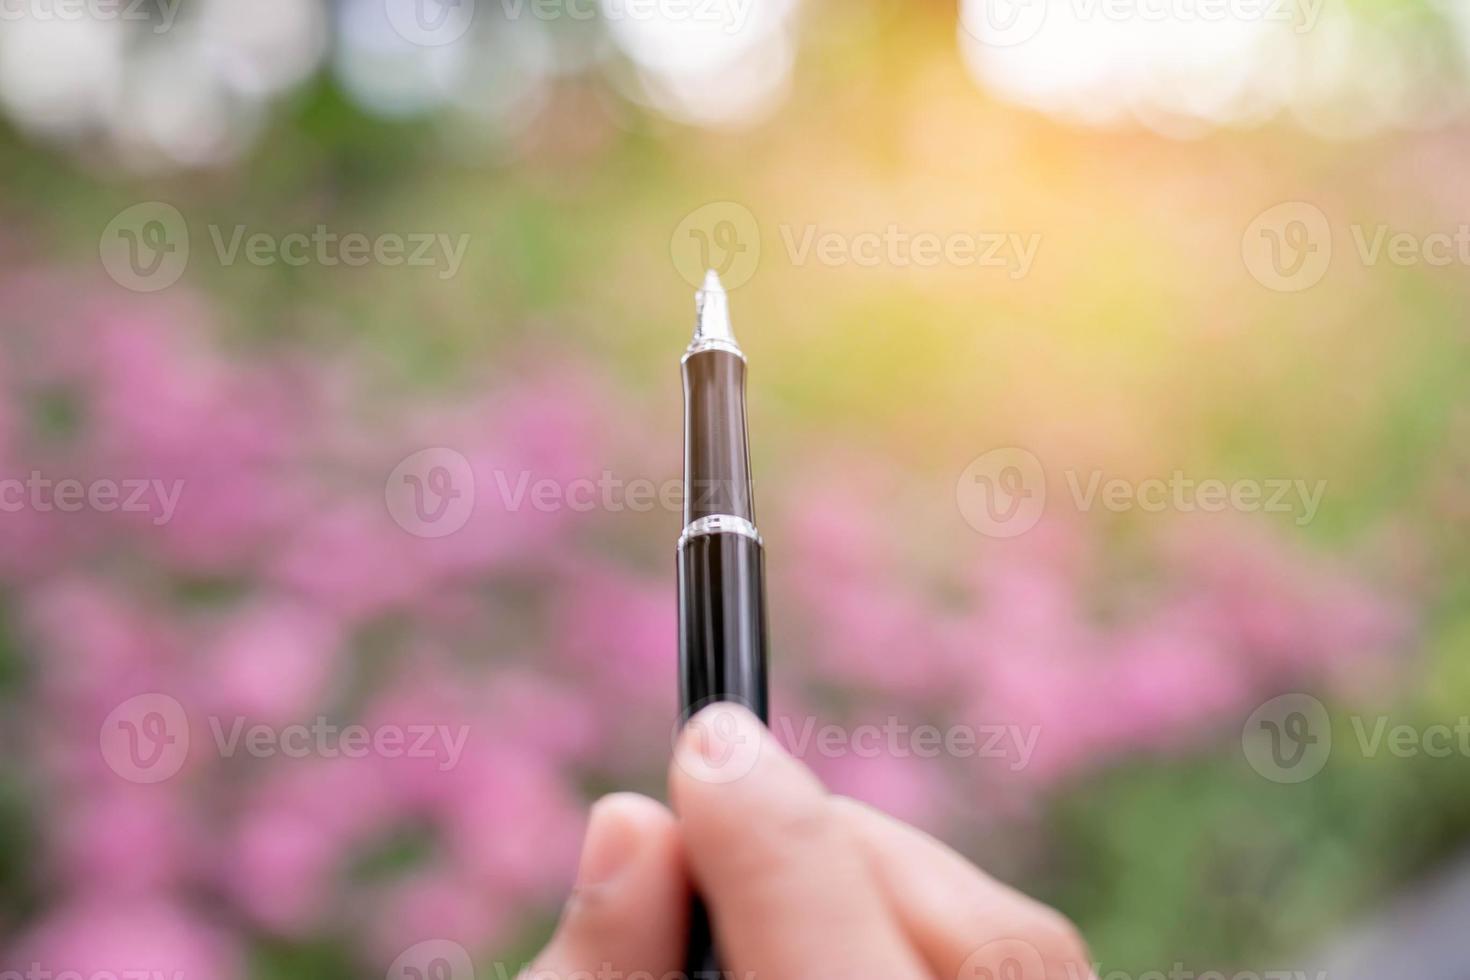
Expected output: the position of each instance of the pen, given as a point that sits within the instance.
(722, 600)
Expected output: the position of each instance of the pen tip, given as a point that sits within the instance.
(712, 322)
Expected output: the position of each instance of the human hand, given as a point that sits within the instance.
(799, 883)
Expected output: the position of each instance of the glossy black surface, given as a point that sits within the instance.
(722, 657)
(722, 609)
(722, 623)
(716, 454)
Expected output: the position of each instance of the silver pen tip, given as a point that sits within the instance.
(712, 321)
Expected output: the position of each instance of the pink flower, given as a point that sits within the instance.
(100, 648)
(282, 868)
(557, 721)
(1166, 682)
(271, 661)
(621, 631)
(516, 825)
(353, 561)
(910, 788)
(348, 799)
(126, 842)
(428, 696)
(156, 938)
(435, 903)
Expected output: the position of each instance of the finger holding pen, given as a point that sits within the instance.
(787, 883)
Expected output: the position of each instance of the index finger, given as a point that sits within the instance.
(785, 878)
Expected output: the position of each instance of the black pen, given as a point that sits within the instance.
(722, 596)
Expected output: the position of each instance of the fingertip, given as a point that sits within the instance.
(620, 827)
(967, 922)
(629, 904)
(719, 746)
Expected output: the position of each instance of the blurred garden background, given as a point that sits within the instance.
(1148, 245)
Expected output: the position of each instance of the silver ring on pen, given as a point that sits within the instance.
(701, 346)
(717, 524)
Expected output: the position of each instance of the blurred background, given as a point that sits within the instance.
(1108, 371)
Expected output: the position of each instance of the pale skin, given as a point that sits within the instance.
(800, 883)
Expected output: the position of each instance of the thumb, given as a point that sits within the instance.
(628, 910)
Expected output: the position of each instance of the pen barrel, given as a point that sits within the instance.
(722, 657)
(722, 622)
(716, 451)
